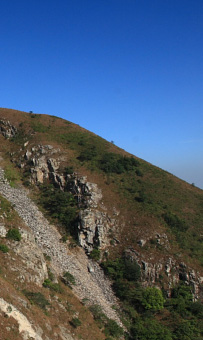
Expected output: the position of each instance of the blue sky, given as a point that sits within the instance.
(129, 70)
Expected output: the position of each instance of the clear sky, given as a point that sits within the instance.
(129, 70)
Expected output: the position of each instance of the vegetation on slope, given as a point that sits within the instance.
(150, 200)
(148, 313)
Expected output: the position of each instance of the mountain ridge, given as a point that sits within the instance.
(124, 207)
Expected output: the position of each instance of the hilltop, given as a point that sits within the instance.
(72, 192)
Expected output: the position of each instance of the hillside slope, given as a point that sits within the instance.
(105, 206)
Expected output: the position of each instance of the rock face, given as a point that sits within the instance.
(93, 228)
(152, 274)
(94, 225)
(7, 129)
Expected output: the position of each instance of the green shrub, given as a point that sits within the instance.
(88, 153)
(47, 257)
(113, 329)
(4, 248)
(113, 268)
(75, 322)
(69, 170)
(61, 205)
(13, 234)
(50, 274)
(64, 238)
(20, 137)
(150, 330)
(139, 173)
(95, 254)
(131, 270)
(113, 163)
(122, 268)
(98, 315)
(37, 298)
(142, 198)
(196, 309)
(187, 329)
(53, 286)
(68, 279)
(152, 299)
(175, 222)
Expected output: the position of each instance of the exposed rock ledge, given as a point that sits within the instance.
(94, 223)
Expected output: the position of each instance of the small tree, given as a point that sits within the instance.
(152, 299)
(95, 254)
(14, 234)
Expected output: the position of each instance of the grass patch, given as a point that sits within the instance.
(12, 175)
(39, 127)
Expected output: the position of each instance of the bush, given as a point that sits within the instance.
(75, 322)
(13, 234)
(68, 279)
(60, 205)
(95, 254)
(131, 270)
(175, 222)
(37, 298)
(53, 286)
(196, 309)
(113, 329)
(153, 299)
(4, 248)
(98, 315)
(113, 268)
(122, 268)
(88, 153)
(139, 173)
(187, 329)
(113, 163)
(150, 330)
(69, 170)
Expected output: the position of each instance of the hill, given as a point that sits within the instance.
(112, 213)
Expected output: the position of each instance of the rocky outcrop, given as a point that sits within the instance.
(167, 272)
(42, 164)
(7, 129)
(94, 227)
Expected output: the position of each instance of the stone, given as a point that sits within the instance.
(142, 242)
(28, 154)
(7, 129)
(3, 231)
